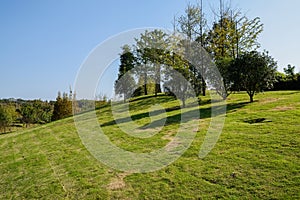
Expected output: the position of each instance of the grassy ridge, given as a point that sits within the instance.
(251, 160)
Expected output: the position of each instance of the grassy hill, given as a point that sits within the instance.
(257, 156)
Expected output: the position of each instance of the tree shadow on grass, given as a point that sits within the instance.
(150, 100)
(204, 114)
(176, 119)
(139, 116)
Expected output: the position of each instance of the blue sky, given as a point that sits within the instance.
(43, 43)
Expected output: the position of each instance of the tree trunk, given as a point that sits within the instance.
(203, 87)
(157, 88)
(157, 79)
(145, 84)
(251, 94)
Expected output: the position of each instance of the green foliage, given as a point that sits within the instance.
(290, 72)
(223, 65)
(7, 116)
(35, 112)
(192, 25)
(233, 34)
(177, 77)
(254, 72)
(151, 48)
(230, 35)
(288, 81)
(125, 83)
(62, 107)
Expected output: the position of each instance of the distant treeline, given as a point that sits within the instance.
(288, 80)
(23, 113)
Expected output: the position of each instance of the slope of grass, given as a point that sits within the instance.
(256, 157)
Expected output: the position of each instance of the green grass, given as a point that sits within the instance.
(250, 160)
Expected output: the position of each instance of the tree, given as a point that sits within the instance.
(225, 89)
(233, 34)
(177, 75)
(43, 111)
(290, 72)
(177, 85)
(192, 24)
(150, 49)
(62, 107)
(125, 82)
(27, 112)
(289, 80)
(254, 72)
(7, 116)
(35, 111)
(189, 23)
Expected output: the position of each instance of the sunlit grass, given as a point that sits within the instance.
(250, 160)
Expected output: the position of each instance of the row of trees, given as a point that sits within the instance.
(289, 80)
(24, 112)
(19, 112)
(7, 116)
(230, 41)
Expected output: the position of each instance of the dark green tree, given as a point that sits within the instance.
(253, 72)
(27, 113)
(125, 82)
(36, 111)
(290, 72)
(225, 89)
(62, 107)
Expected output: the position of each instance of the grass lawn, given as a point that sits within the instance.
(256, 157)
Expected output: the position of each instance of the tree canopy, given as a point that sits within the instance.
(253, 72)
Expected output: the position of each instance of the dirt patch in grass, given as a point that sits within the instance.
(269, 100)
(173, 141)
(118, 182)
(283, 108)
(173, 144)
(168, 136)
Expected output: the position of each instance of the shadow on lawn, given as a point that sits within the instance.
(173, 119)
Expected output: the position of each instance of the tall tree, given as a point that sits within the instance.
(192, 24)
(233, 33)
(225, 89)
(125, 82)
(177, 77)
(177, 74)
(150, 48)
(62, 107)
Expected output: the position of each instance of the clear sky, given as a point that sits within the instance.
(43, 43)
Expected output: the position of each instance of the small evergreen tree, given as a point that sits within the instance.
(62, 107)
